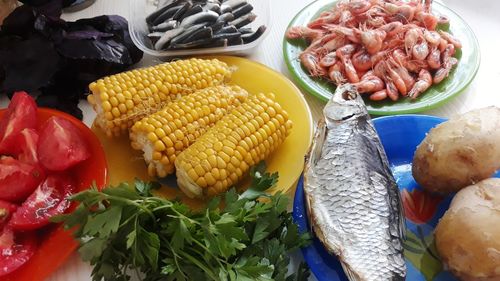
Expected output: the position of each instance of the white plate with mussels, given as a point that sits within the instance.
(252, 21)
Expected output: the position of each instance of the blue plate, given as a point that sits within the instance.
(400, 135)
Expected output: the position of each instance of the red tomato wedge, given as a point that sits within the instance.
(28, 145)
(6, 210)
(15, 249)
(48, 200)
(20, 114)
(61, 145)
(17, 179)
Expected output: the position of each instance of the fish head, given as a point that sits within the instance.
(346, 103)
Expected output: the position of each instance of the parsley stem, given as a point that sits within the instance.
(131, 202)
(207, 270)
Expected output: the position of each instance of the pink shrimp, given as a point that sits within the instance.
(296, 32)
(392, 91)
(331, 45)
(399, 56)
(396, 79)
(411, 38)
(379, 95)
(447, 64)
(352, 34)
(451, 39)
(423, 83)
(420, 51)
(310, 61)
(392, 28)
(415, 65)
(335, 73)
(369, 84)
(328, 60)
(357, 7)
(347, 19)
(403, 13)
(331, 18)
(442, 44)
(361, 60)
(345, 54)
(373, 40)
(428, 20)
(434, 58)
(432, 37)
(403, 73)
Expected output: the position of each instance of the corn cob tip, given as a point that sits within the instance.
(187, 185)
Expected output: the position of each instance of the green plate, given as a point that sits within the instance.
(459, 78)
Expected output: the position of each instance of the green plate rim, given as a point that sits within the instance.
(304, 85)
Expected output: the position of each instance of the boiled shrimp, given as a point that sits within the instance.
(335, 73)
(372, 40)
(328, 60)
(432, 37)
(297, 32)
(421, 50)
(362, 60)
(451, 39)
(345, 54)
(447, 63)
(369, 83)
(423, 83)
(434, 58)
(379, 95)
(396, 79)
(311, 62)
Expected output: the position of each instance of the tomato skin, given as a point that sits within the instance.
(6, 211)
(20, 114)
(28, 144)
(15, 249)
(61, 145)
(48, 200)
(17, 179)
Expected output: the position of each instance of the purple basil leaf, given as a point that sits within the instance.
(19, 22)
(28, 64)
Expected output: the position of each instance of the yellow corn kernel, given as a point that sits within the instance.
(164, 133)
(238, 141)
(132, 95)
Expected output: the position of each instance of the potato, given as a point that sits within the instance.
(468, 235)
(459, 152)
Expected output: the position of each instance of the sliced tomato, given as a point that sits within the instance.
(20, 114)
(6, 211)
(15, 249)
(61, 145)
(28, 145)
(17, 179)
(48, 200)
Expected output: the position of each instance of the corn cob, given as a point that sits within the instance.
(166, 133)
(122, 99)
(223, 155)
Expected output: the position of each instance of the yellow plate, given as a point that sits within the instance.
(125, 164)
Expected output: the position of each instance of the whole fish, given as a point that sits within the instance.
(353, 202)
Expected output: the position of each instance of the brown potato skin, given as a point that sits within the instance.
(468, 235)
(459, 152)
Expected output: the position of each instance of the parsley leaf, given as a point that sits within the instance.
(125, 228)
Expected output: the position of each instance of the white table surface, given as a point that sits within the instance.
(481, 15)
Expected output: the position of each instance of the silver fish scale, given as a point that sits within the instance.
(353, 201)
